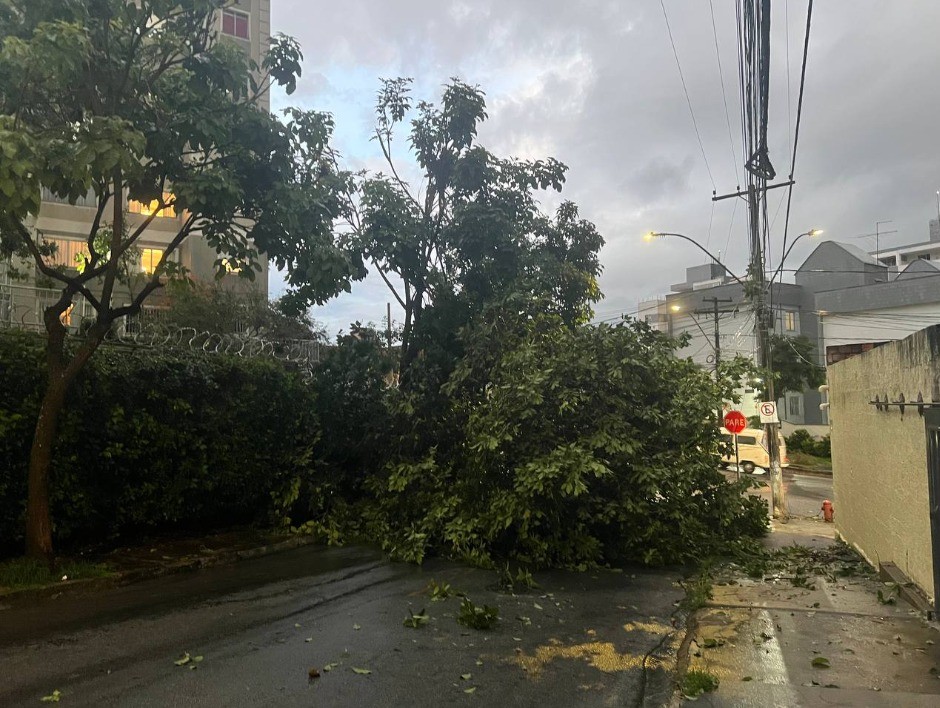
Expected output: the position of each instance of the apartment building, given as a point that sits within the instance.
(843, 299)
(24, 293)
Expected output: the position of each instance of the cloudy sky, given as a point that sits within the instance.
(594, 83)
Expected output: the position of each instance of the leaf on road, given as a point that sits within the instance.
(356, 627)
(470, 690)
(329, 667)
(536, 606)
(308, 639)
(183, 660)
(464, 677)
(525, 620)
(313, 673)
(296, 626)
(416, 620)
(198, 659)
(821, 662)
(53, 697)
(479, 662)
(361, 672)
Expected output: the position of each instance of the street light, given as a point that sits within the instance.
(653, 235)
(812, 233)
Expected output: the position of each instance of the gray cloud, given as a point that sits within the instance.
(594, 83)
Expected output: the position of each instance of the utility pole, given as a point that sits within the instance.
(715, 301)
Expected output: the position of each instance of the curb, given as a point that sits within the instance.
(806, 470)
(130, 577)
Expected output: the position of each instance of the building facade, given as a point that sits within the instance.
(842, 298)
(24, 293)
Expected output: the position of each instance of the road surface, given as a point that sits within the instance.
(260, 626)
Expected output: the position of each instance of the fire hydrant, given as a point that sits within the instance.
(828, 511)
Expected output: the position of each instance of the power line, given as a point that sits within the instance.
(687, 99)
(799, 115)
(724, 96)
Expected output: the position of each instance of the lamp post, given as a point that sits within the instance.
(764, 327)
(812, 233)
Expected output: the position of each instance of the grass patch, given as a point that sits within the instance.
(803, 459)
(695, 683)
(698, 591)
(22, 573)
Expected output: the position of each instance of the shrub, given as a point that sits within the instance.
(154, 441)
(561, 446)
(800, 441)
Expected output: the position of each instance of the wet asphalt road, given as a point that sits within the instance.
(585, 639)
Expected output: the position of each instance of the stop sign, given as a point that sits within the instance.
(735, 422)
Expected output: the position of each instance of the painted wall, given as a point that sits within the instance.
(879, 458)
(881, 324)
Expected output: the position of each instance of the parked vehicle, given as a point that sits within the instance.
(753, 455)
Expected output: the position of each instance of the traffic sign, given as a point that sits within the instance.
(735, 422)
(768, 412)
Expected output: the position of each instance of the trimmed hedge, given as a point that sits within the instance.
(154, 441)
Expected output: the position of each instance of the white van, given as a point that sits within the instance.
(752, 450)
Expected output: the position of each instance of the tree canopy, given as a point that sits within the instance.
(474, 233)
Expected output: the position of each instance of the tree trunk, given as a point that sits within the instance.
(38, 517)
(61, 374)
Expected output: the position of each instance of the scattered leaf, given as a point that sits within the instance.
(198, 659)
(183, 660)
(329, 667)
(747, 678)
(313, 673)
(416, 620)
(361, 672)
(53, 697)
(821, 662)
(308, 639)
(464, 677)
(536, 606)
(296, 626)
(356, 627)
(479, 662)
(470, 690)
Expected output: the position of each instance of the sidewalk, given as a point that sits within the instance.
(813, 632)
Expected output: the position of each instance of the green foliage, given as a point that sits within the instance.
(522, 581)
(559, 446)
(477, 616)
(475, 232)
(695, 683)
(21, 573)
(802, 441)
(698, 590)
(212, 308)
(416, 621)
(155, 441)
(439, 591)
(793, 364)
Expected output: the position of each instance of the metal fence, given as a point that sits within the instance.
(22, 307)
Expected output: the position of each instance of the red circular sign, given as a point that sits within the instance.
(735, 422)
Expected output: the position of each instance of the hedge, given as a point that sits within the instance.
(155, 441)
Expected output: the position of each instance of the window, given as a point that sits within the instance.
(135, 207)
(235, 24)
(793, 406)
(67, 253)
(924, 257)
(150, 259)
(747, 440)
(89, 200)
(789, 321)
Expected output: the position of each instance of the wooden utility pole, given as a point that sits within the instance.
(715, 301)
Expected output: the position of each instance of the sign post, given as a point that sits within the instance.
(735, 422)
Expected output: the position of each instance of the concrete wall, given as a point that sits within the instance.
(879, 458)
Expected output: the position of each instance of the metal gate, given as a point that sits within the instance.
(932, 417)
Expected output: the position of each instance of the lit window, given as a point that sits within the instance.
(150, 259)
(135, 207)
(235, 24)
(790, 321)
(68, 252)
